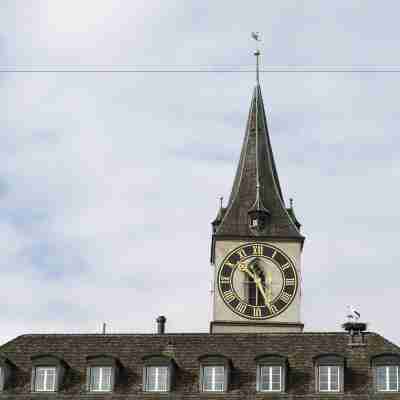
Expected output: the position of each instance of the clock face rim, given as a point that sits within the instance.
(270, 259)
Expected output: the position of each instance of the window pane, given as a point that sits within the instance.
(213, 378)
(39, 380)
(162, 384)
(105, 379)
(392, 373)
(264, 383)
(334, 371)
(381, 379)
(275, 379)
(323, 378)
(94, 378)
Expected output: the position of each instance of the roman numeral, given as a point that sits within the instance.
(272, 308)
(225, 279)
(290, 282)
(241, 253)
(229, 264)
(229, 296)
(285, 297)
(258, 250)
(274, 254)
(285, 266)
(256, 312)
(241, 307)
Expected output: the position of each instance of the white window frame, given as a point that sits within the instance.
(259, 382)
(157, 387)
(387, 378)
(46, 374)
(101, 377)
(330, 390)
(213, 380)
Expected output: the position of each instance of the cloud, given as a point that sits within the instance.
(108, 182)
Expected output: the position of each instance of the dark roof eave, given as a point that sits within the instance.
(238, 238)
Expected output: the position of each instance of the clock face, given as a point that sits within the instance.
(257, 281)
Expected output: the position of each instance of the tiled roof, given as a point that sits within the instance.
(185, 349)
(243, 195)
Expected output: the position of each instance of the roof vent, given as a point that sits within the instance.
(161, 324)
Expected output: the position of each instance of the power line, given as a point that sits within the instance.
(198, 69)
(193, 71)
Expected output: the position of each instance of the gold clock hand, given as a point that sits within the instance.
(261, 289)
(244, 268)
(269, 276)
(257, 280)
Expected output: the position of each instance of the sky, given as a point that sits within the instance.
(109, 181)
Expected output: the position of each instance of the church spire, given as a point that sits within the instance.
(256, 206)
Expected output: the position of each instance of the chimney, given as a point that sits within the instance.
(161, 324)
(356, 332)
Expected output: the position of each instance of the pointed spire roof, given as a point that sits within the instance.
(256, 184)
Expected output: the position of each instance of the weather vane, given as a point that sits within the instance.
(257, 38)
(353, 314)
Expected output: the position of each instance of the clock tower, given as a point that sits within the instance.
(256, 243)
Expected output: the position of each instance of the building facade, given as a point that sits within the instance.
(256, 347)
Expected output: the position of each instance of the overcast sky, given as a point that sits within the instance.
(109, 181)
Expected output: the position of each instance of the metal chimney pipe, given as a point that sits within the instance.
(161, 324)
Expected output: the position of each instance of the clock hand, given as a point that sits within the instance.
(269, 276)
(261, 289)
(257, 280)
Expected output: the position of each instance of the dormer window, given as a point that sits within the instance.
(214, 373)
(271, 373)
(102, 373)
(329, 373)
(386, 372)
(48, 373)
(158, 373)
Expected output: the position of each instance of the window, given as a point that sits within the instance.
(100, 379)
(213, 378)
(158, 373)
(329, 373)
(156, 379)
(45, 379)
(102, 373)
(329, 378)
(387, 378)
(271, 372)
(6, 372)
(269, 378)
(215, 371)
(48, 373)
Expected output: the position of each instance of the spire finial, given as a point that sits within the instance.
(291, 202)
(221, 199)
(256, 37)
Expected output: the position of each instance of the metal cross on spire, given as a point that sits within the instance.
(256, 37)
